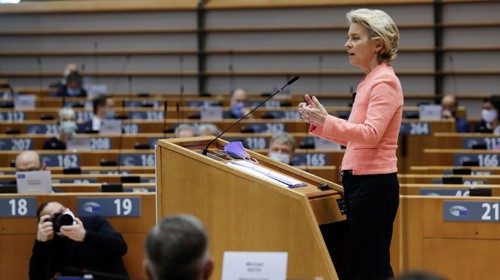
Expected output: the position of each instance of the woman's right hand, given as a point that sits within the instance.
(45, 230)
(312, 111)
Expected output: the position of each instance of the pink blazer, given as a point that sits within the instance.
(371, 133)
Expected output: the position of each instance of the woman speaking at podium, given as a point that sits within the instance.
(370, 134)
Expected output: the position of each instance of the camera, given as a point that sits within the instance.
(66, 218)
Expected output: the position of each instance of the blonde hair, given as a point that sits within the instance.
(285, 138)
(66, 113)
(379, 25)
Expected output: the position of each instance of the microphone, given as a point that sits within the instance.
(231, 71)
(39, 64)
(96, 60)
(122, 71)
(320, 77)
(453, 76)
(165, 119)
(291, 81)
(120, 143)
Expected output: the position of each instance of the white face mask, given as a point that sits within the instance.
(284, 158)
(489, 115)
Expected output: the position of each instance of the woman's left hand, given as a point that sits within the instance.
(314, 113)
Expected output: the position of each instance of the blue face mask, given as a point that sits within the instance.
(73, 92)
(237, 109)
(236, 150)
(110, 115)
(68, 127)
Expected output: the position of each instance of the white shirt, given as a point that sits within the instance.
(96, 123)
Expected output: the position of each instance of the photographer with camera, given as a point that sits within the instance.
(68, 246)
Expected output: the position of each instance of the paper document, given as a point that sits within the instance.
(263, 172)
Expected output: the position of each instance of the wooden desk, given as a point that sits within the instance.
(466, 141)
(445, 189)
(420, 134)
(122, 170)
(475, 170)
(155, 126)
(456, 250)
(147, 157)
(456, 157)
(86, 178)
(437, 178)
(17, 234)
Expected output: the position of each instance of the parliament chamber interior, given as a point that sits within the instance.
(132, 107)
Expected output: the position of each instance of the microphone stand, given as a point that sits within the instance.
(291, 81)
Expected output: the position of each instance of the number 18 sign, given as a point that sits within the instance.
(110, 206)
(17, 207)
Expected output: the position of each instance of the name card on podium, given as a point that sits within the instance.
(254, 265)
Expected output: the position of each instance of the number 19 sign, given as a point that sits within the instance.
(110, 206)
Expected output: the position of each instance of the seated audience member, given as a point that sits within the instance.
(177, 248)
(67, 128)
(207, 129)
(29, 161)
(73, 86)
(89, 246)
(103, 109)
(489, 116)
(185, 130)
(71, 67)
(449, 103)
(238, 103)
(282, 148)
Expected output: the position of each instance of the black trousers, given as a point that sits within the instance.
(372, 202)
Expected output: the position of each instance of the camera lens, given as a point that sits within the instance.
(59, 220)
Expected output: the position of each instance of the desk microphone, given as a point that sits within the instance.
(291, 81)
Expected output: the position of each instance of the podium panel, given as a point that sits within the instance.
(243, 212)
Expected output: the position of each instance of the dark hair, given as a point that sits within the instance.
(176, 248)
(74, 77)
(495, 100)
(40, 209)
(99, 101)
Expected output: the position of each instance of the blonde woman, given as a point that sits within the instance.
(370, 134)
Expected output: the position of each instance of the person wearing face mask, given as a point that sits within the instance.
(72, 87)
(239, 100)
(67, 128)
(103, 109)
(449, 105)
(88, 244)
(489, 116)
(369, 165)
(282, 148)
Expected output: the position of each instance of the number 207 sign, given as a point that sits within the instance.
(110, 206)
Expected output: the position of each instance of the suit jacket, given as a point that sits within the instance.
(63, 92)
(100, 251)
(371, 132)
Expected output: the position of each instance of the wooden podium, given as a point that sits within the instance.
(246, 213)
